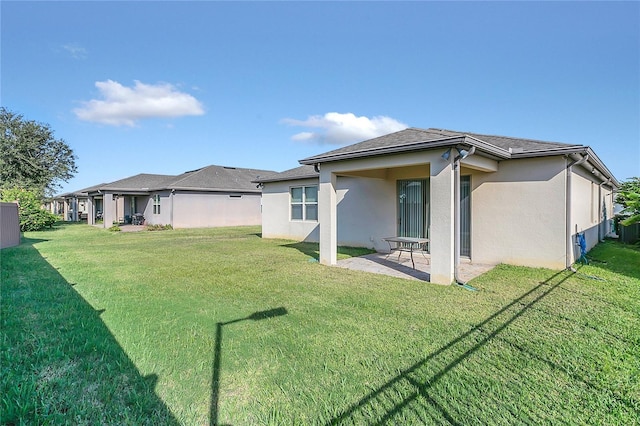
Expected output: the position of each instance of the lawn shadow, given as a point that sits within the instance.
(313, 249)
(413, 392)
(62, 364)
(217, 357)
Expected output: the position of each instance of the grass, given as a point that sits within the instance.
(220, 326)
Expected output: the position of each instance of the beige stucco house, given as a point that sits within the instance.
(207, 197)
(489, 199)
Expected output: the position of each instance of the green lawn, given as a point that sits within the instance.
(219, 326)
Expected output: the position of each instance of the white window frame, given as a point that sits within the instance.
(156, 204)
(303, 203)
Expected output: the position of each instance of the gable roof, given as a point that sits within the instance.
(491, 146)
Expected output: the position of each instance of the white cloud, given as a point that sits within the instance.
(340, 129)
(126, 105)
(76, 51)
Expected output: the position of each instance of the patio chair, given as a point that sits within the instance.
(138, 219)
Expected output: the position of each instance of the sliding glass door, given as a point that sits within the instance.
(413, 208)
(465, 216)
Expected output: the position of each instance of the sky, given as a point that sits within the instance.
(166, 87)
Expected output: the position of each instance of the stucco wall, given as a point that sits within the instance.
(589, 203)
(162, 218)
(276, 221)
(207, 209)
(518, 213)
(366, 211)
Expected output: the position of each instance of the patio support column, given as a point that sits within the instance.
(327, 216)
(441, 234)
(91, 212)
(108, 210)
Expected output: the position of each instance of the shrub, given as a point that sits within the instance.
(159, 227)
(115, 228)
(32, 216)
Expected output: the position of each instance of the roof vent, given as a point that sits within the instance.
(515, 150)
(229, 168)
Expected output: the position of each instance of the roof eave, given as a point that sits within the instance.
(416, 146)
(286, 178)
(202, 189)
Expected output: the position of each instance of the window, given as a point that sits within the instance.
(156, 204)
(304, 203)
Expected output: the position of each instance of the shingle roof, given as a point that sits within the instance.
(302, 172)
(219, 178)
(491, 146)
(140, 182)
(413, 138)
(81, 192)
(209, 178)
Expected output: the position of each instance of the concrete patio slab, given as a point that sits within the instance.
(399, 266)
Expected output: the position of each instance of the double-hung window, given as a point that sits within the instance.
(156, 204)
(304, 203)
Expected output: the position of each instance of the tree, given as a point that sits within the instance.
(629, 197)
(31, 157)
(32, 216)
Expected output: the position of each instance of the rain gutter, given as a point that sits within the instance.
(568, 240)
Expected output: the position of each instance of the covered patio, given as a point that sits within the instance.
(416, 194)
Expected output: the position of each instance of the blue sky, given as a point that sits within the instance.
(166, 87)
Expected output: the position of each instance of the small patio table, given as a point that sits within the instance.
(407, 244)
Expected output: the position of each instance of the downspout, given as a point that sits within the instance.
(457, 241)
(173, 191)
(568, 240)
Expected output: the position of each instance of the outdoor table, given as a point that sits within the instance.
(407, 244)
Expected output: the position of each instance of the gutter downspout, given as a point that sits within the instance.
(568, 241)
(173, 191)
(456, 208)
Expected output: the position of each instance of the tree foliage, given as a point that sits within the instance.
(629, 197)
(32, 216)
(31, 157)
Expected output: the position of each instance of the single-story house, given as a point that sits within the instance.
(207, 197)
(72, 206)
(489, 199)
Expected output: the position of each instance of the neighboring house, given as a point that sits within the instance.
(72, 206)
(490, 199)
(207, 197)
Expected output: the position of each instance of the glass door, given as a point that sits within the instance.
(413, 208)
(465, 216)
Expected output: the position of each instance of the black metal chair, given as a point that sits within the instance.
(138, 219)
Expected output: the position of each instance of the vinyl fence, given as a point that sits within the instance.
(9, 225)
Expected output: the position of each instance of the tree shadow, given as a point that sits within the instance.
(61, 364)
(413, 389)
